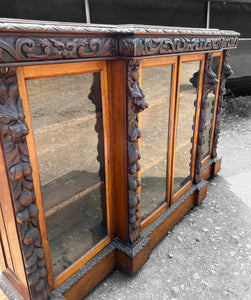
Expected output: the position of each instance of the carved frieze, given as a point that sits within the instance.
(23, 49)
(226, 72)
(52, 48)
(156, 46)
(14, 130)
(209, 82)
(136, 103)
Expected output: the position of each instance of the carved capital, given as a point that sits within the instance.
(209, 82)
(226, 72)
(14, 130)
(136, 103)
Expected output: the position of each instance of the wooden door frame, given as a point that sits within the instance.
(57, 70)
(150, 63)
(183, 59)
(207, 158)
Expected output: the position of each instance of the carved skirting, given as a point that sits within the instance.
(8, 289)
(23, 49)
(209, 82)
(136, 103)
(116, 244)
(226, 72)
(167, 45)
(14, 131)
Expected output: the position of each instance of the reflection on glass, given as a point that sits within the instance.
(68, 131)
(210, 110)
(156, 84)
(186, 111)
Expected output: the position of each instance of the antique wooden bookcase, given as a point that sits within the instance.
(108, 136)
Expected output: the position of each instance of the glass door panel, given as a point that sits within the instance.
(156, 84)
(189, 77)
(66, 114)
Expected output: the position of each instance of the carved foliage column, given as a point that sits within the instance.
(14, 130)
(95, 97)
(136, 103)
(209, 82)
(226, 72)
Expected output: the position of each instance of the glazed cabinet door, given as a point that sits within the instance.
(66, 109)
(187, 112)
(158, 82)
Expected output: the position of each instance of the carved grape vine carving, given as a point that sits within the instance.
(14, 130)
(136, 103)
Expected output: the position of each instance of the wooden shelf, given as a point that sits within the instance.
(67, 123)
(69, 188)
(72, 199)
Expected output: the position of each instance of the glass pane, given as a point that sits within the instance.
(156, 84)
(186, 111)
(67, 121)
(210, 110)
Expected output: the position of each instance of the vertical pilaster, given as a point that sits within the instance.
(209, 82)
(226, 72)
(136, 104)
(14, 131)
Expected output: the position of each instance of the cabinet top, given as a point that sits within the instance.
(30, 41)
(38, 26)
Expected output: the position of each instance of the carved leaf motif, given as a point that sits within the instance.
(43, 48)
(136, 104)
(167, 46)
(157, 46)
(26, 47)
(209, 82)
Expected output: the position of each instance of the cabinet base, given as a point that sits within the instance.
(130, 258)
(211, 168)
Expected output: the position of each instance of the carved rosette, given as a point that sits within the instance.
(226, 72)
(136, 103)
(14, 130)
(209, 82)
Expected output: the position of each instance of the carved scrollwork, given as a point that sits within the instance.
(14, 130)
(157, 46)
(49, 48)
(30, 49)
(136, 103)
(226, 72)
(209, 82)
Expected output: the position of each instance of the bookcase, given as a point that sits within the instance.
(108, 137)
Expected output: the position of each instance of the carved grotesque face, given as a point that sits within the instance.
(64, 49)
(11, 114)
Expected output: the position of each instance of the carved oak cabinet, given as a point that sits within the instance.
(108, 135)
